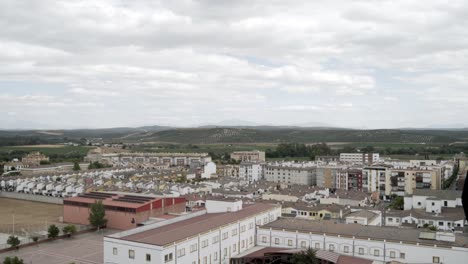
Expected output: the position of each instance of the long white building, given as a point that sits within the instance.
(382, 244)
(359, 158)
(198, 238)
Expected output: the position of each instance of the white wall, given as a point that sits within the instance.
(413, 253)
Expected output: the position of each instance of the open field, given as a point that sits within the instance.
(40, 146)
(27, 216)
(85, 249)
(57, 153)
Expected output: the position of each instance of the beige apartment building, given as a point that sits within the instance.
(404, 181)
(34, 158)
(252, 156)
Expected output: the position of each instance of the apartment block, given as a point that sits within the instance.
(252, 156)
(359, 158)
(197, 238)
(250, 171)
(291, 173)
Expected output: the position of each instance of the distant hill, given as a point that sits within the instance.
(245, 134)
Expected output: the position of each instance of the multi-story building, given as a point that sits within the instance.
(250, 171)
(252, 156)
(327, 159)
(200, 237)
(374, 178)
(382, 244)
(172, 159)
(360, 158)
(326, 176)
(228, 170)
(291, 173)
(34, 159)
(404, 181)
(349, 179)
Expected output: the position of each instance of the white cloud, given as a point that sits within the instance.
(180, 61)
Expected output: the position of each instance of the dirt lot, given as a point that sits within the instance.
(29, 216)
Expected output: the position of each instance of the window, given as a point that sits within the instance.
(276, 241)
(148, 257)
(204, 243)
(264, 239)
(361, 251)
(402, 255)
(225, 235)
(376, 252)
(242, 228)
(435, 260)
(346, 249)
(441, 223)
(331, 248)
(243, 244)
(215, 257)
(397, 220)
(392, 254)
(234, 248)
(251, 225)
(131, 254)
(205, 260)
(168, 257)
(289, 242)
(317, 245)
(251, 240)
(215, 239)
(390, 219)
(225, 252)
(303, 244)
(234, 232)
(193, 247)
(114, 251)
(181, 252)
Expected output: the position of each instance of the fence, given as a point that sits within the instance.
(32, 197)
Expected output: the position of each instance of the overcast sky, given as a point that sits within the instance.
(368, 63)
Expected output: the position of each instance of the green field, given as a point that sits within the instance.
(57, 153)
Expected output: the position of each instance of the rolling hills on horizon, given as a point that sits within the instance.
(240, 134)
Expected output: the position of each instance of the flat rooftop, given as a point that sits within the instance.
(191, 227)
(359, 231)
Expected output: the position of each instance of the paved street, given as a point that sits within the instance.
(81, 249)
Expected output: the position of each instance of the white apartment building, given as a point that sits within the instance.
(382, 244)
(250, 171)
(201, 238)
(374, 178)
(360, 158)
(291, 173)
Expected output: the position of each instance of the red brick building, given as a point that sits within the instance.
(123, 211)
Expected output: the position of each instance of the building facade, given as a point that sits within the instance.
(291, 173)
(198, 238)
(250, 171)
(251, 156)
(359, 158)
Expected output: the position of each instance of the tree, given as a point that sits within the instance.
(13, 260)
(76, 166)
(69, 230)
(97, 215)
(398, 203)
(53, 231)
(305, 257)
(13, 241)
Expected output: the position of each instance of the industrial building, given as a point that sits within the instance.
(123, 211)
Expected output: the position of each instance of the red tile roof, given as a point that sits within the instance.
(187, 228)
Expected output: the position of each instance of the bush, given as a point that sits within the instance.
(35, 238)
(13, 260)
(13, 241)
(53, 231)
(69, 229)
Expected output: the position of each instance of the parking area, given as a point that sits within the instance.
(80, 249)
